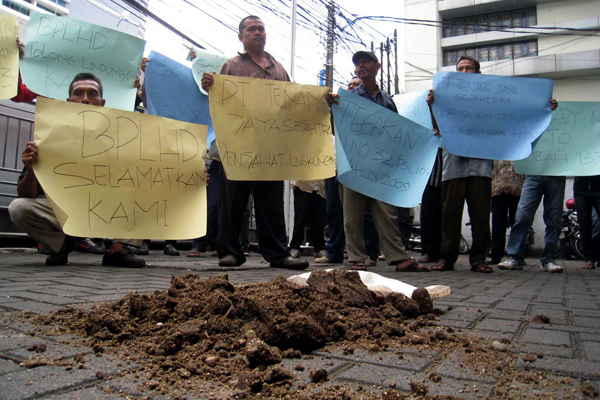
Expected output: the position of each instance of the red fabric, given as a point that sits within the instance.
(23, 93)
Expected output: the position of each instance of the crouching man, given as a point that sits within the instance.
(32, 212)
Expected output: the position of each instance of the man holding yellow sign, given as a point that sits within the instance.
(33, 213)
(268, 195)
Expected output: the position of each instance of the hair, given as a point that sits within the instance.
(472, 59)
(243, 22)
(86, 76)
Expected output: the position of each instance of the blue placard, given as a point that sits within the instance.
(380, 153)
(171, 92)
(491, 117)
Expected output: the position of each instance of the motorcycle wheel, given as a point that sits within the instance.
(577, 248)
(464, 246)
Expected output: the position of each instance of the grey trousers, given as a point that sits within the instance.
(385, 218)
(35, 217)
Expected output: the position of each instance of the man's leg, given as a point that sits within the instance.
(335, 222)
(386, 222)
(553, 206)
(453, 201)
(584, 216)
(371, 238)
(531, 197)
(404, 224)
(302, 211)
(479, 193)
(431, 222)
(35, 217)
(499, 224)
(270, 222)
(317, 221)
(354, 205)
(232, 204)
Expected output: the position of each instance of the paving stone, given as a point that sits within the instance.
(53, 350)
(331, 365)
(518, 305)
(546, 336)
(586, 321)
(571, 367)
(557, 315)
(549, 300)
(455, 366)
(592, 350)
(500, 325)
(460, 388)
(567, 389)
(93, 393)
(589, 337)
(585, 312)
(34, 306)
(379, 376)
(557, 351)
(390, 358)
(13, 340)
(9, 366)
(454, 323)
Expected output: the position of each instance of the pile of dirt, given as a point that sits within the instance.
(234, 335)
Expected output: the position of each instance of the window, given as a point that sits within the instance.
(15, 7)
(506, 51)
(490, 22)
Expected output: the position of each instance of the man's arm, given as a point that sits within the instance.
(28, 186)
(430, 99)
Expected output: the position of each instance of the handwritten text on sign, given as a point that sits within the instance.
(492, 117)
(9, 56)
(206, 62)
(380, 153)
(172, 93)
(114, 173)
(271, 130)
(571, 144)
(59, 48)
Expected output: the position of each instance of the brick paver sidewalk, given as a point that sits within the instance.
(496, 306)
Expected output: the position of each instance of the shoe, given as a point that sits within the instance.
(246, 251)
(144, 250)
(228, 261)
(57, 259)
(295, 253)
(319, 254)
(290, 263)
(170, 250)
(323, 260)
(87, 245)
(492, 261)
(122, 258)
(43, 250)
(510, 265)
(551, 267)
(370, 263)
(381, 257)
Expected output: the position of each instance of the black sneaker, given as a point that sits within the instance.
(43, 250)
(144, 250)
(122, 258)
(87, 245)
(57, 259)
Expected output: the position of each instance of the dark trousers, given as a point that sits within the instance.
(431, 222)
(270, 223)
(335, 226)
(477, 191)
(404, 224)
(309, 208)
(585, 202)
(212, 213)
(504, 209)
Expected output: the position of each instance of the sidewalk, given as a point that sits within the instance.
(495, 306)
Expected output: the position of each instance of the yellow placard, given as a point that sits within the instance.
(270, 130)
(113, 173)
(9, 56)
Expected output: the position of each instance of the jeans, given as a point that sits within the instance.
(586, 202)
(552, 189)
(335, 226)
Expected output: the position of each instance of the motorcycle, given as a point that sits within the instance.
(570, 237)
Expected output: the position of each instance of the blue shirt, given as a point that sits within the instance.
(381, 98)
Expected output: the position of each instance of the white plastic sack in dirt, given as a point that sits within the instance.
(382, 285)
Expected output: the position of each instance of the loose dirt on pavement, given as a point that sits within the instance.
(215, 340)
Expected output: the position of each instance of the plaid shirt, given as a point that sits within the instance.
(382, 98)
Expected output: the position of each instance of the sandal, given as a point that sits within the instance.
(413, 266)
(424, 259)
(193, 253)
(441, 266)
(483, 267)
(589, 265)
(358, 266)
